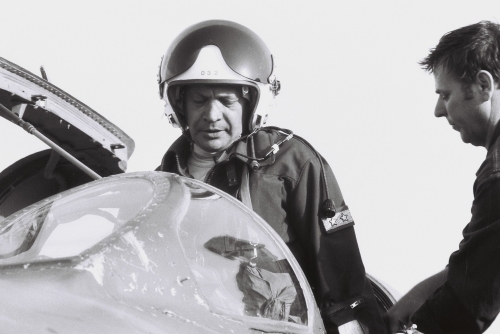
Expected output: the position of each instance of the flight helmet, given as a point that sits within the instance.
(218, 52)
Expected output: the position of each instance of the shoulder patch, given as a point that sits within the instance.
(338, 222)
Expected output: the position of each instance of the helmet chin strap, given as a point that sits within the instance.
(221, 154)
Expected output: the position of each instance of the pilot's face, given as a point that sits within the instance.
(214, 114)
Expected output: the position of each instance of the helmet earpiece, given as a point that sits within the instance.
(245, 92)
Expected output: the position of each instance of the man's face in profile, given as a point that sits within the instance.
(462, 106)
(214, 114)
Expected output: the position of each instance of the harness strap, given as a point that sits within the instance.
(245, 187)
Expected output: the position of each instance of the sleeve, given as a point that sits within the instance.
(469, 300)
(334, 267)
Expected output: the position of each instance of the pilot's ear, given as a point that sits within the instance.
(486, 84)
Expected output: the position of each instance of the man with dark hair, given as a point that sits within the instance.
(465, 296)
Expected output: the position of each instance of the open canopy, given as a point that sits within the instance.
(86, 136)
(74, 126)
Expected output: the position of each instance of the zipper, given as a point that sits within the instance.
(179, 166)
(351, 306)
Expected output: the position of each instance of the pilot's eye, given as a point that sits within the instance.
(229, 101)
(198, 100)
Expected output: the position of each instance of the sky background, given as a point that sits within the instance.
(351, 86)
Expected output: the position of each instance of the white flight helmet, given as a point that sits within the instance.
(218, 52)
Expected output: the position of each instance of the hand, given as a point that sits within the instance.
(398, 317)
(400, 314)
(410, 330)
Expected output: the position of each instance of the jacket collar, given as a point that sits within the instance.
(255, 146)
(260, 143)
(495, 136)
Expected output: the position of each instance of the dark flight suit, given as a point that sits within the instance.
(287, 191)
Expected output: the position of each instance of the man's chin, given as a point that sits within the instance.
(464, 137)
(468, 140)
(211, 150)
(215, 145)
(211, 147)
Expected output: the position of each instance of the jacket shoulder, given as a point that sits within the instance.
(292, 155)
(296, 145)
(491, 165)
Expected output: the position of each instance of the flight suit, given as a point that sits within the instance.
(288, 190)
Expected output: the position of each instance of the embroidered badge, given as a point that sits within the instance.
(340, 220)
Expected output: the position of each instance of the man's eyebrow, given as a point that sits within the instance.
(227, 97)
(226, 94)
(440, 91)
(197, 94)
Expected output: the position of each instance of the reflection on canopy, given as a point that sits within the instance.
(68, 225)
(238, 267)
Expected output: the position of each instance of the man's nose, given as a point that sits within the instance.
(440, 109)
(213, 113)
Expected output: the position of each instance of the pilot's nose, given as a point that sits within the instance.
(440, 110)
(213, 113)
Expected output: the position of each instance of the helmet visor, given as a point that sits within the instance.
(243, 51)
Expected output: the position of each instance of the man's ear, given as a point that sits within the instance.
(486, 84)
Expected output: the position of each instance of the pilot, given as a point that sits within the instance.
(218, 83)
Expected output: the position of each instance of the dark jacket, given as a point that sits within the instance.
(469, 300)
(288, 191)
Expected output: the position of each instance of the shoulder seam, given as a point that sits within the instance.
(308, 161)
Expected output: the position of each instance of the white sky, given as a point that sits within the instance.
(350, 85)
